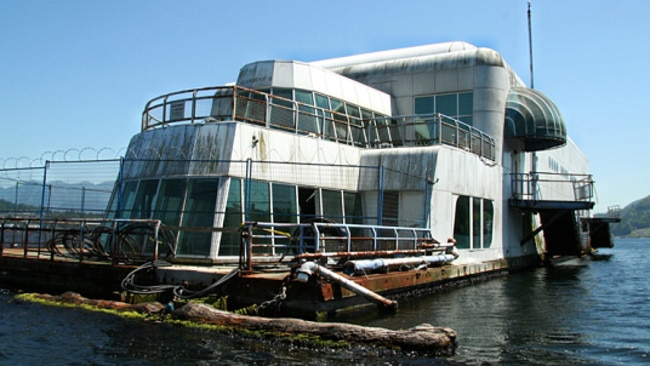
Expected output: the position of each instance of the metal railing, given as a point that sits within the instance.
(264, 242)
(235, 103)
(429, 129)
(117, 240)
(540, 186)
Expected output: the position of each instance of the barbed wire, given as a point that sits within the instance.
(71, 154)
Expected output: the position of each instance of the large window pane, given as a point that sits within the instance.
(465, 104)
(353, 209)
(230, 239)
(284, 203)
(170, 201)
(143, 204)
(461, 223)
(488, 223)
(332, 207)
(199, 214)
(260, 209)
(126, 199)
(323, 104)
(424, 105)
(340, 119)
(476, 223)
(447, 105)
(285, 210)
(356, 126)
(307, 118)
(281, 109)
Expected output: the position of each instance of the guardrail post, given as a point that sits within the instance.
(2, 235)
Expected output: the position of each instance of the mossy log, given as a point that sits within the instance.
(422, 338)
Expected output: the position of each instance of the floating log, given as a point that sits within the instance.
(422, 338)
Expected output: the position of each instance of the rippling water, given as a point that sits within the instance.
(589, 311)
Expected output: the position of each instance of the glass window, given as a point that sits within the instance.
(465, 104)
(170, 201)
(126, 199)
(305, 97)
(322, 102)
(307, 117)
(461, 223)
(260, 208)
(332, 206)
(353, 210)
(476, 223)
(459, 106)
(284, 203)
(198, 214)
(143, 204)
(260, 205)
(447, 105)
(281, 110)
(285, 210)
(356, 125)
(230, 239)
(340, 120)
(488, 223)
(424, 105)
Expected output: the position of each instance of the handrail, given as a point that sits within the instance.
(236, 103)
(431, 129)
(538, 186)
(262, 241)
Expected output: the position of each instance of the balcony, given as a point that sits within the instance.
(552, 191)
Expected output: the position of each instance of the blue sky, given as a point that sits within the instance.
(78, 73)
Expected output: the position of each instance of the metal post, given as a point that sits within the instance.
(120, 188)
(247, 188)
(83, 201)
(530, 48)
(42, 213)
(380, 196)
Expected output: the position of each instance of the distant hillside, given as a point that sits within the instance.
(635, 220)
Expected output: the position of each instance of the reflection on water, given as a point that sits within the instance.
(590, 311)
(585, 311)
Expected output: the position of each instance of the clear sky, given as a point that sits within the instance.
(77, 73)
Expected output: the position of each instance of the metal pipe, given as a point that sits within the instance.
(309, 268)
(384, 264)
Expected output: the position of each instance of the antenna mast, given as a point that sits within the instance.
(530, 48)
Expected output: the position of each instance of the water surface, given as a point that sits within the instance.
(589, 311)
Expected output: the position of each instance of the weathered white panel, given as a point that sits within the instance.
(302, 77)
(423, 83)
(283, 75)
(446, 80)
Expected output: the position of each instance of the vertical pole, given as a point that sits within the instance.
(380, 196)
(16, 200)
(247, 188)
(42, 213)
(120, 189)
(83, 201)
(530, 48)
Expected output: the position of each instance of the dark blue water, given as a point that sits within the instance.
(590, 311)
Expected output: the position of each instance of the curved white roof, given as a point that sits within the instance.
(393, 55)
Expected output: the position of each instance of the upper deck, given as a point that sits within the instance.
(317, 116)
